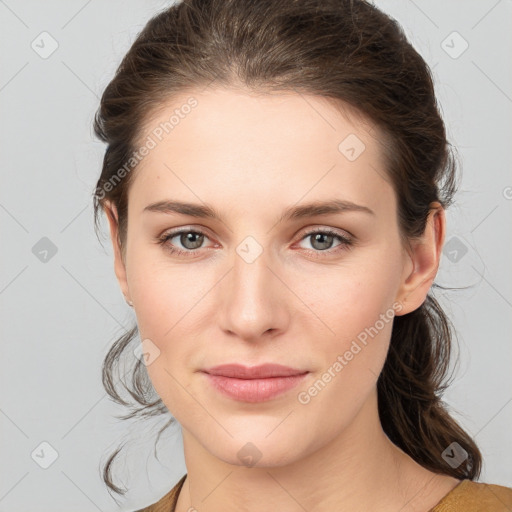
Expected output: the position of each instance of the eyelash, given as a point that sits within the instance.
(345, 242)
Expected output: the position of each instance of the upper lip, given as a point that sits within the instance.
(253, 372)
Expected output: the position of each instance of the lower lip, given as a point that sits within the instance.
(254, 390)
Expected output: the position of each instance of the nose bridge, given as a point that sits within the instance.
(253, 300)
(251, 276)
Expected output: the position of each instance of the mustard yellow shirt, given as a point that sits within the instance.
(467, 496)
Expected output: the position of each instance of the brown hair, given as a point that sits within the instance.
(345, 50)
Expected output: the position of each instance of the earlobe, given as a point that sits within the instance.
(424, 254)
(119, 263)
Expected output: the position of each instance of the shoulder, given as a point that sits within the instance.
(166, 503)
(469, 496)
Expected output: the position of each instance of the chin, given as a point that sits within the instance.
(256, 448)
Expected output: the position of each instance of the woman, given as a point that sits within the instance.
(275, 183)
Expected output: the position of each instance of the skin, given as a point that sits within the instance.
(251, 156)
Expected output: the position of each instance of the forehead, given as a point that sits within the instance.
(216, 113)
(221, 141)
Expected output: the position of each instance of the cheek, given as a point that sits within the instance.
(165, 305)
(358, 310)
(170, 301)
(351, 297)
(164, 293)
(359, 315)
(355, 305)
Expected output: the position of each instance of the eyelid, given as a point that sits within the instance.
(165, 237)
(343, 233)
(304, 232)
(346, 239)
(171, 233)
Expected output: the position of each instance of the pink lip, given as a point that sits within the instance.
(261, 371)
(254, 384)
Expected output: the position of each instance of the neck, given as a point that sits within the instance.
(360, 469)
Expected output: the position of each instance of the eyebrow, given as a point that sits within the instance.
(312, 209)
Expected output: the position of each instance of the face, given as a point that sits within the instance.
(315, 292)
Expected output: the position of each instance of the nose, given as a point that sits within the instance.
(254, 302)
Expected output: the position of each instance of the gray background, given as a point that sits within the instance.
(60, 312)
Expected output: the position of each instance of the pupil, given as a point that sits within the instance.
(189, 237)
(318, 238)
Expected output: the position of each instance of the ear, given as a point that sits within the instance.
(119, 263)
(424, 258)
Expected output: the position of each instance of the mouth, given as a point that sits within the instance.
(253, 384)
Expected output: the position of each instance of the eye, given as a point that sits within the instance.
(322, 240)
(192, 239)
